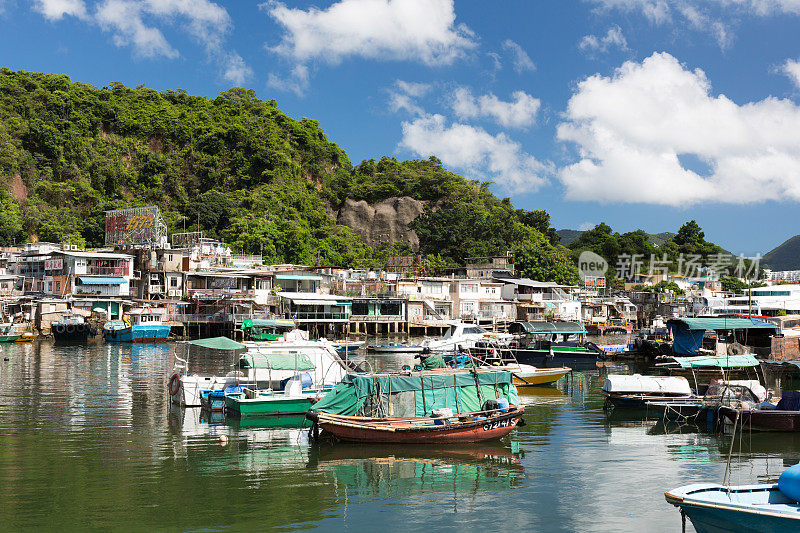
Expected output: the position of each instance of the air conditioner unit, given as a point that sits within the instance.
(174, 293)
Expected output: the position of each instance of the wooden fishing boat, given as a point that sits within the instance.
(442, 405)
(782, 417)
(466, 427)
(9, 338)
(763, 419)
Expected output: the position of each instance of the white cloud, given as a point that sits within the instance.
(658, 11)
(586, 226)
(57, 9)
(235, 70)
(519, 112)
(700, 20)
(124, 19)
(204, 20)
(472, 149)
(792, 69)
(702, 15)
(296, 82)
(404, 95)
(412, 30)
(613, 38)
(632, 128)
(135, 23)
(519, 57)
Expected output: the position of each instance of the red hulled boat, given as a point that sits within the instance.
(462, 428)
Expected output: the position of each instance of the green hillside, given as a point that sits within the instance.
(254, 176)
(658, 239)
(784, 257)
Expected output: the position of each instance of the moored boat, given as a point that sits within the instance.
(288, 396)
(443, 405)
(72, 328)
(264, 329)
(345, 348)
(467, 427)
(554, 344)
(785, 416)
(141, 325)
(395, 348)
(633, 392)
(768, 508)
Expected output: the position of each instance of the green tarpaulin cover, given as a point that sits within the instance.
(418, 395)
(730, 361)
(433, 361)
(277, 361)
(218, 343)
(267, 323)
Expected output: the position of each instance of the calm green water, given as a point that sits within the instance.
(88, 439)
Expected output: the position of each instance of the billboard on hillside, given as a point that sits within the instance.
(135, 226)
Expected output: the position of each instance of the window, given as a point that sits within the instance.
(431, 287)
(173, 282)
(58, 286)
(469, 287)
(169, 257)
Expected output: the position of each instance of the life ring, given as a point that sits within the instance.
(70, 328)
(59, 328)
(174, 384)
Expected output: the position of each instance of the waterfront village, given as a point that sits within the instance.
(201, 288)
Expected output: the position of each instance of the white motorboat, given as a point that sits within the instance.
(462, 336)
(186, 388)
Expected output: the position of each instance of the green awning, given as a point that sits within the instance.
(277, 361)
(730, 361)
(559, 326)
(267, 323)
(218, 343)
(722, 323)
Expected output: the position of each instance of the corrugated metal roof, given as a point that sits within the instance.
(722, 323)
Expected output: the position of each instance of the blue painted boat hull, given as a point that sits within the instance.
(744, 509)
(139, 333)
(719, 521)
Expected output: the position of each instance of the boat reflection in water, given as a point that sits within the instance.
(414, 470)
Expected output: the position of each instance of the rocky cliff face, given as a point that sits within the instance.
(387, 220)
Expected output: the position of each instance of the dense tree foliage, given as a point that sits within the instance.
(685, 253)
(235, 167)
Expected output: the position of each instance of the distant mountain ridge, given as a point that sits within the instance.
(784, 257)
(569, 235)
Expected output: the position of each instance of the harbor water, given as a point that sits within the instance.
(89, 439)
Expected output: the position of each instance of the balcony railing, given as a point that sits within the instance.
(106, 271)
(318, 316)
(376, 318)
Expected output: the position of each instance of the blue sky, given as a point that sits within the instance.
(638, 113)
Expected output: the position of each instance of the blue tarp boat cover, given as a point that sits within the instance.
(790, 401)
(688, 332)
